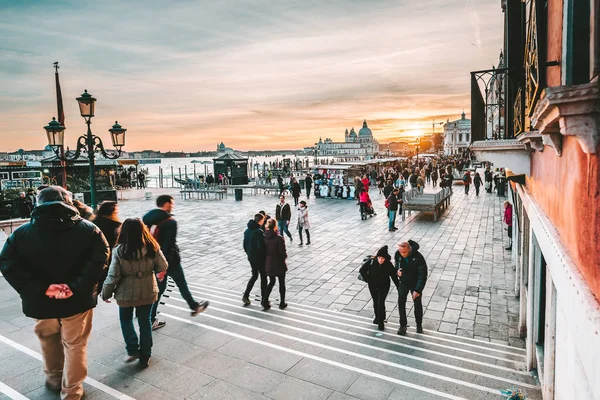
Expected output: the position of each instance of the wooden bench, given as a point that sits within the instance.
(413, 200)
(254, 189)
(203, 194)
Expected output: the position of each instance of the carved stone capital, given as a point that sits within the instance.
(532, 140)
(553, 140)
(570, 111)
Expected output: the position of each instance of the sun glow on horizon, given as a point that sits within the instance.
(261, 75)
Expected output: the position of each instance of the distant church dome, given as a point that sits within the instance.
(365, 131)
(352, 135)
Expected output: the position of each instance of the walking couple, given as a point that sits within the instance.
(409, 274)
(267, 254)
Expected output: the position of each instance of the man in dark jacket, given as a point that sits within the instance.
(387, 190)
(254, 246)
(413, 179)
(393, 209)
(411, 268)
(308, 182)
(283, 215)
(55, 262)
(164, 229)
(280, 184)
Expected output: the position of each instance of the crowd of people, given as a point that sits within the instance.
(79, 256)
(82, 254)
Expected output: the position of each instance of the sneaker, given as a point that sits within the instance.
(282, 306)
(199, 308)
(145, 363)
(158, 324)
(246, 300)
(419, 329)
(130, 359)
(402, 330)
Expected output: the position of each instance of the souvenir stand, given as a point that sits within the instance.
(335, 181)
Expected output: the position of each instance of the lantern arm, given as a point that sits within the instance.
(81, 147)
(99, 146)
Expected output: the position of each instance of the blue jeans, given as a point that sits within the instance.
(143, 348)
(283, 227)
(392, 220)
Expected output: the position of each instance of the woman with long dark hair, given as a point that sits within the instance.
(275, 266)
(107, 219)
(135, 260)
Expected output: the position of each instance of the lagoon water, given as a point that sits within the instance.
(179, 166)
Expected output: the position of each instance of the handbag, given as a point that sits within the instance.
(487, 185)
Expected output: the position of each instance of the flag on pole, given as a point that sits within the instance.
(59, 102)
(61, 120)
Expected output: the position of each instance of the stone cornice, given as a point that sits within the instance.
(570, 111)
(498, 145)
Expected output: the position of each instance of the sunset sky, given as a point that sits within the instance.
(256, 74)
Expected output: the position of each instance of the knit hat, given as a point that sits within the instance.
(383, 252)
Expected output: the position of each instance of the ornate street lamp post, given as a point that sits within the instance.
(88, 143)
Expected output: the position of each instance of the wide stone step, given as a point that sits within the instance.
(435, 365)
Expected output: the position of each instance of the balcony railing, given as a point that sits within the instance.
(518, 113)
(489, 105)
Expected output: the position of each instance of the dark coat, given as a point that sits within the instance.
(296, 190)
(378, 275)
(414, 268)
(283, 213)
(488, 176)
(477, 181)
(392, 202)
(275, 254)
(254, 243)
(57, 246)
(308, 182)
(387, 190)
(167, 236)
(110, 229)
(24, 207)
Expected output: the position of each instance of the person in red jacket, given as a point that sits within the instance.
(366, 182)
(508, 220)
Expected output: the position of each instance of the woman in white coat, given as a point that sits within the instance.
(303, 221)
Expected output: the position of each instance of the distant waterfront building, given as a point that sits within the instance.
(360, 146)
(401, 149)
(145, 154)
(221, 148)
(29, 155)
(457, 135)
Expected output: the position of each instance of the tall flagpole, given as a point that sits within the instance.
(61, 120)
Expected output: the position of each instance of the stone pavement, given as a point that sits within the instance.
(324, 345)
(470, 273)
